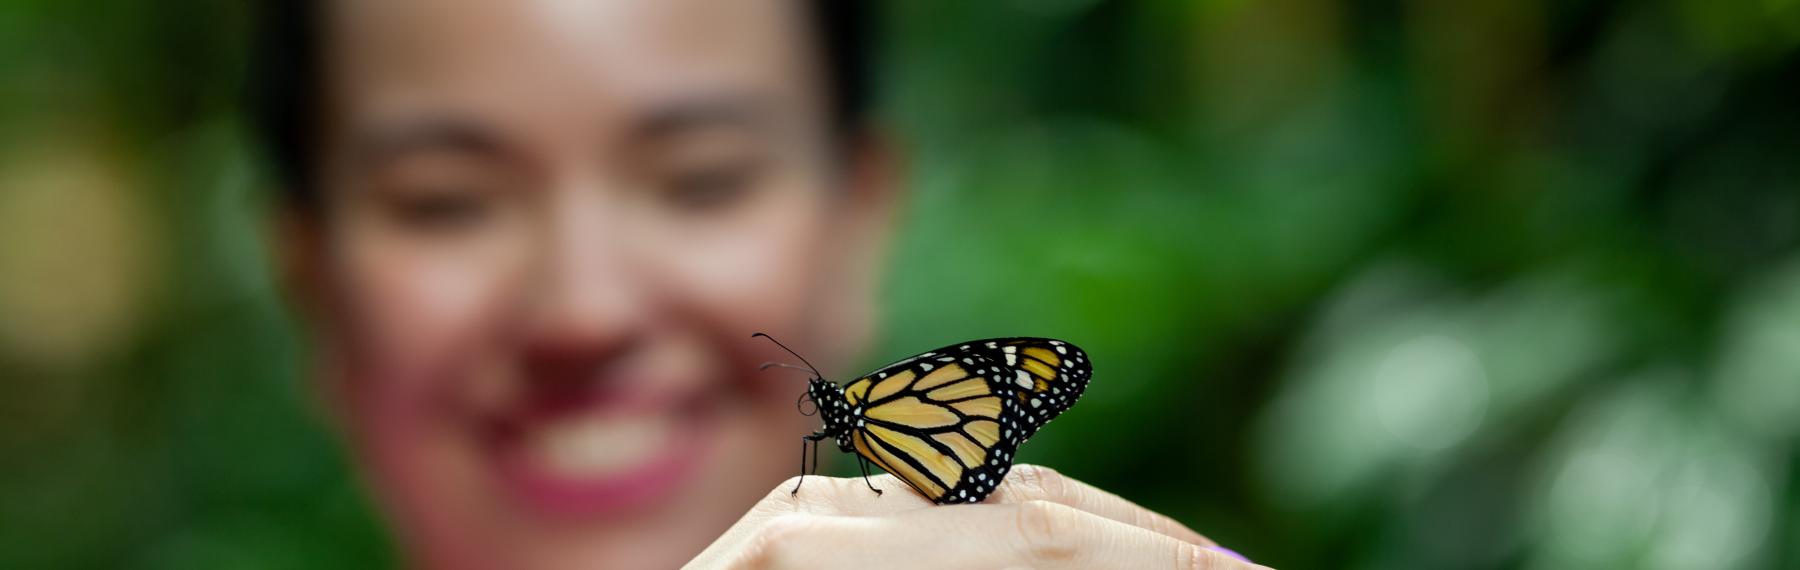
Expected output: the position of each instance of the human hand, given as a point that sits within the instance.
(1038, 518)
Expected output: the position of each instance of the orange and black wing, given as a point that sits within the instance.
(1046, 376)
(948, 421)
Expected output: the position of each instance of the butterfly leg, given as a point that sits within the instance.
(815, 443)
(803, 443)
(812, 439)
(864, 464)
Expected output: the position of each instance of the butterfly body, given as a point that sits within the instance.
(948, 421)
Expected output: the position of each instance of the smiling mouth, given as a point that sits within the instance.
(599, 459)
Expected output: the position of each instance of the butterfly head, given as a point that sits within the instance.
(829, 401)
(824, 396)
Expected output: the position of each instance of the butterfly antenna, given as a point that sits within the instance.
(815, 369)
(768, 365)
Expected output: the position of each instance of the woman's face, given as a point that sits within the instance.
(549, 228)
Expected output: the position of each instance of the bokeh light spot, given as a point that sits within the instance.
(1430, 392)
(1758, 381)
(78, 249)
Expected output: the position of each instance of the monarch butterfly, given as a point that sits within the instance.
(946, 421)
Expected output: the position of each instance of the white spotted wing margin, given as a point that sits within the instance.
(948, 421)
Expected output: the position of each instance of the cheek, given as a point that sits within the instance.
(755, 279)
(759, 273)
(409, 310)
(411, 320)
(413, 323)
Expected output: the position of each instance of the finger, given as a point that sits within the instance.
(1035, 534)
(1036, 483)
(1052, 535)
(851, 496)
(773, 519)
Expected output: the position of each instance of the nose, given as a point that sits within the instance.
(586, 303)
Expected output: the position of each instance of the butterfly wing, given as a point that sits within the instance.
(1046, 376)
(948, 421)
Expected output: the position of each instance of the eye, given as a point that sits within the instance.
(711, 186)
(441, 210)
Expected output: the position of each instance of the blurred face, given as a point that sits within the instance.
(549, 228)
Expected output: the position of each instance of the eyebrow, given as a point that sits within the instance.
(694, 114)
(436, 133)
(447, 133)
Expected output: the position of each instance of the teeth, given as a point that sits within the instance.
(598, 446)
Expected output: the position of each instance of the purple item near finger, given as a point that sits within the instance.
(1231, 553)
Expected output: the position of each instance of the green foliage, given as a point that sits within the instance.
(1481, 284)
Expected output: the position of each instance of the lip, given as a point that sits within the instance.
(651, 481)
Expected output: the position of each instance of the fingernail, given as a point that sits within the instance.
(1231, 553)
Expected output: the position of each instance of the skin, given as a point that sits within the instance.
(547, 229)
(1037, 518)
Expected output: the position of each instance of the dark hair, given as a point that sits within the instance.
(285, 75)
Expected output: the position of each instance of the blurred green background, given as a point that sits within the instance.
(1370, 283)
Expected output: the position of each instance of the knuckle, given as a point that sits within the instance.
(1196, 557)
(1191, 557)
(1040, 481)
(774, 544)
(786, 527)
(1046, 530)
